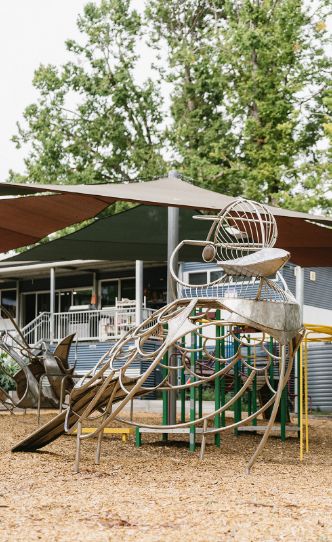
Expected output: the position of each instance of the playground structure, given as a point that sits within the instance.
(238, 333)
(43, 377)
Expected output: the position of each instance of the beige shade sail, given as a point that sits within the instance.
(26, 220)
(166, 191)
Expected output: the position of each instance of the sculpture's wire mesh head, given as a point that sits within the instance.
(241, 228)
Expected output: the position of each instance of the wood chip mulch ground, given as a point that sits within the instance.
(161, 492)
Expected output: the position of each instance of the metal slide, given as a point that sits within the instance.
(56, 427)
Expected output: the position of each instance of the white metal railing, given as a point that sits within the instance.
(88, 325)
(38, 329)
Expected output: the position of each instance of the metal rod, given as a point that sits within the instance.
(217, 382)
(192, 434)
(78, 448)
(299, 294)
(274, 410)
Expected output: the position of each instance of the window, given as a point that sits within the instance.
(214, 275)
(128, 289)
(43, 302)
(204, 277)
(64, 301)
(8, 301)
(109, 291)
(198, 278)
(312, 276)
(82, 297)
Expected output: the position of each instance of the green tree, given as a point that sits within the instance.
(248, 101)
(247, 109)
(93, 123)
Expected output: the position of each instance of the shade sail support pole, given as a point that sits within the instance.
(172, 242)
(138, 291)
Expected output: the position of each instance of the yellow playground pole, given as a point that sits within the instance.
(311, 333)
(301, 403)
(306, 397)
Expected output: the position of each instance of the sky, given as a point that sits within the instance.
(32, 32)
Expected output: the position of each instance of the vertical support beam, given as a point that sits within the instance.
(172, 242)
(138, 437)
(299, 294)
(139, 291)
(283, 413)
(200, 388)
(52, 303)
(223, 381)
(183, 391)
(237, 386)
(192, 433)
(217, 389)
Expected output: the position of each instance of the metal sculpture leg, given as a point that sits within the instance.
(274, 410)
(78, 448)
(203, 440)
(98, 450)
(40, 383)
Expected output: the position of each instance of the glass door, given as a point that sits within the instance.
(109, 291)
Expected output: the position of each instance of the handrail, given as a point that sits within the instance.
(93, 324)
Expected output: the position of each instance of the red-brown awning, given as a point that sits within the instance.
(24, 221)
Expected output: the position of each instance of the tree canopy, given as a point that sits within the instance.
(238, 100)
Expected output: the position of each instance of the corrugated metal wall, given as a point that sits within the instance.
(89, 354)
(320, 376)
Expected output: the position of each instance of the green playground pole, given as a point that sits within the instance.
(249, 390)
(237, 385)
(192, 433)
(138, 437)
(222, 380)
(183, 391)
(254, 389)
(165, 397)
(200, 388)
(217, 383)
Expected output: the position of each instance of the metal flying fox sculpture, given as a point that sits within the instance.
(207, 333)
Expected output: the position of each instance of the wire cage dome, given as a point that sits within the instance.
(241, 228)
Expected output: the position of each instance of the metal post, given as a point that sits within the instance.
(183, 391)
(237, 386)
(299, 294)
(217, 389)
(52, 303)
(139, 291)
(192, 430)
(172, 242)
